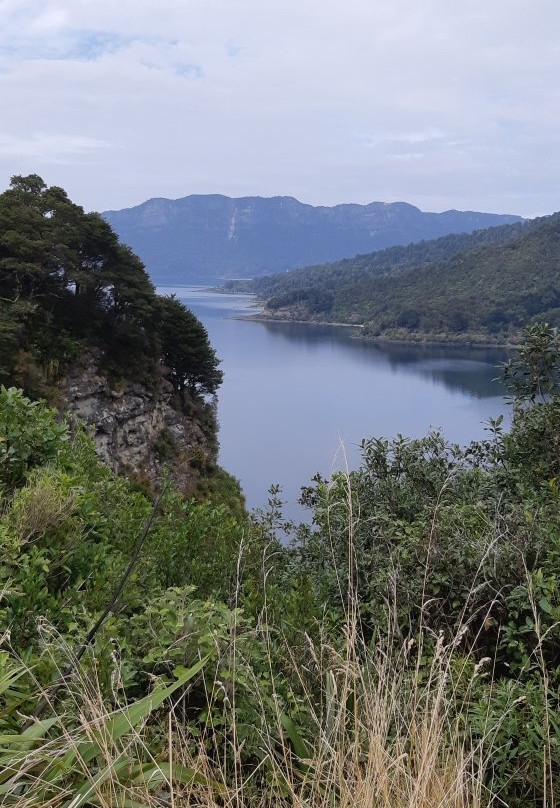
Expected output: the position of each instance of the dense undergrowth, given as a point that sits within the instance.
(403, 650)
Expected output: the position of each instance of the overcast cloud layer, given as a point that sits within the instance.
(441, 104)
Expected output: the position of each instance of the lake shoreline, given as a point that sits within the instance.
(422, 342)
(428, 341)
(256, 318)
(294, 395)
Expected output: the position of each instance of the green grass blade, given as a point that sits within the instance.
(130, 718)
(297, 742)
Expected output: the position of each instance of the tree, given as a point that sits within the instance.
(535, 372)
(67, 285)
(64, 277)
(186, 350)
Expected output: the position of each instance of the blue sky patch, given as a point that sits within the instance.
(76, 45)
(191, 71)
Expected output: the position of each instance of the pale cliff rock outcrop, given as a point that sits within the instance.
(137, 431)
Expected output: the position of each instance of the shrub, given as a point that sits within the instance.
(29, 436)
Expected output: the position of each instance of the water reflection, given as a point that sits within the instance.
(464, 369)
(298, 399)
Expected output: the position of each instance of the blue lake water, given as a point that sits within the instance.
(299, 398)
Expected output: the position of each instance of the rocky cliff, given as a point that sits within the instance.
(138, 432)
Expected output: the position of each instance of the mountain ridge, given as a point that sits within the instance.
(207, 237)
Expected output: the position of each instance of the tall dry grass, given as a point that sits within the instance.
(381, 728)
(376, 735)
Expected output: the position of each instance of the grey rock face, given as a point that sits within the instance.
(130, 425)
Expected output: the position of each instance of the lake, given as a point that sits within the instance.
(299, 398)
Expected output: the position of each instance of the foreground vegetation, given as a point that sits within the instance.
(482, 287)
(403, 650)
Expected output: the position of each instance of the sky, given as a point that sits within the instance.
(438, 103)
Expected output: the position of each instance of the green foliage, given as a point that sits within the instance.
(518, 720)
(454, 551)
(195, 543)
(219, 486)
(68, 528)
(535, 372)
(185, 349)
(175, 630)
(65, 279)
(29, 436)
(67, 287)
(481, 287)
(92, 762)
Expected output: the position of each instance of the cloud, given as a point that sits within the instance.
(443, 105)
(189, 70)
(49, 147)
(423, 136)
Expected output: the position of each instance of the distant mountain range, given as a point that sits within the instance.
(205, 238)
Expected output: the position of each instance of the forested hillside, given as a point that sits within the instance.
(82, 326)
(392, 261)
(486, 286)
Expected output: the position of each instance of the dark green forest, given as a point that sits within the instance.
(482, 287)
(401, 648)
(67, 287)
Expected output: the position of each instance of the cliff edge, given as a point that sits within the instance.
(139, 432)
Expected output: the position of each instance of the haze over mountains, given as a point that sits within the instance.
(205, 238)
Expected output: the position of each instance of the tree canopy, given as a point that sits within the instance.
(186, 349)
(67, 284)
